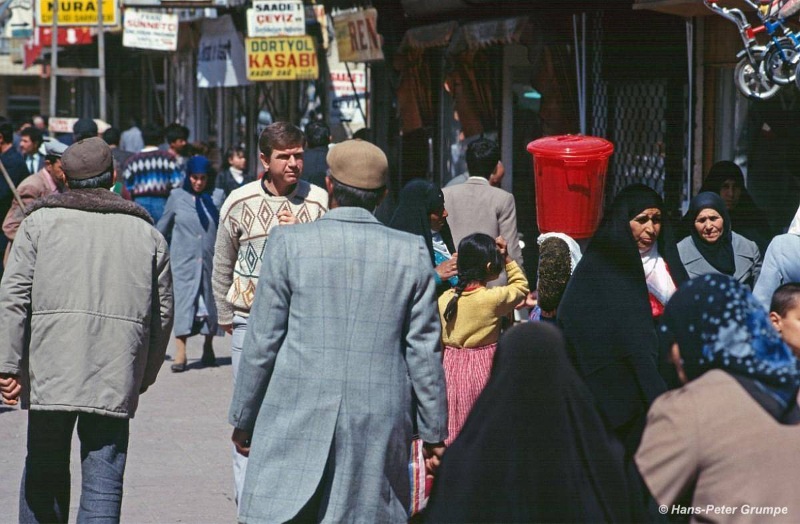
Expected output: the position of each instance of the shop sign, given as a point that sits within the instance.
(357, 36)
(346, 91)
(76, 12)
(65, 124)
(268, 18)
(20, 19)
(150, 30)
(281, 58)
(66, 36)
(220, 55)
(43, 37)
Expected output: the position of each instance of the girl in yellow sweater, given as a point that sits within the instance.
(471, 315)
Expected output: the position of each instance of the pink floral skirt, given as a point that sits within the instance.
(466, 372)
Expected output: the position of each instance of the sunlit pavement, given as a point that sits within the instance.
(179, 459)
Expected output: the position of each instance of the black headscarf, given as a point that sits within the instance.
(418, 199)
(607, 319)
(720, 253)
(746, 219)
(533, 449)
(718, 324)
(199, 164)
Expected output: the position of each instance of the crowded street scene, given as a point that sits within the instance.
(400, 261)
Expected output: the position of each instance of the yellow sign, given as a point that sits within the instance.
(281, 58)
(76, 12)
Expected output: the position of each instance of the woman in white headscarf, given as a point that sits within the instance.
(558, 256)
(781, 263)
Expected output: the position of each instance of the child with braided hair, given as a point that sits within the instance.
(471, 316)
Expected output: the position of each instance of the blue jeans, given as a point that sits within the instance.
(237, 341)
(153, 204)
(45, 490)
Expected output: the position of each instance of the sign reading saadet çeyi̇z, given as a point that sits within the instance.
(276, 18)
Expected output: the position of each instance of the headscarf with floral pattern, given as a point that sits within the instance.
(718, 324)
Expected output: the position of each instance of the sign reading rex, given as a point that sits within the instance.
(281, 58)
(357, 37)
(76, 12)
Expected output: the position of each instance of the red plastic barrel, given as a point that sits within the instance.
(570, 174)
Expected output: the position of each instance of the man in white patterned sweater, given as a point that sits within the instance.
(248, 215)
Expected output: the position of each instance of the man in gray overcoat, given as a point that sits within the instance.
(85, 316)
(340, 361)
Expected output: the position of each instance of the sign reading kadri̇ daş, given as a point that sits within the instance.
(76, 12)
(281, 58)
(270, 18)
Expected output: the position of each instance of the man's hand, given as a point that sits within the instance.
(502, 247)
(448, 268)
(433, 456)
(10, 388)
(286, 218)
(227, 328)
(241, 439)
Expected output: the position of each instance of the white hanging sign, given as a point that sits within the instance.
(220, 55)
(147, 29)
(270, 18)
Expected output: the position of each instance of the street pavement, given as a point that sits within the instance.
(179, 458)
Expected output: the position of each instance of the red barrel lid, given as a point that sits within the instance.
(571, 146)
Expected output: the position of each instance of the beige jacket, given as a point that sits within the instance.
(86, 312)
(713, 437)
(35, 186)
(477, 207)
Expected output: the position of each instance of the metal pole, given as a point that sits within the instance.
(101, 59)
(53, 61)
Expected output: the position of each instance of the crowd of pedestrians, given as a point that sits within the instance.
(377, 372)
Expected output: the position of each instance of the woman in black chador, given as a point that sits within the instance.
(612, 304)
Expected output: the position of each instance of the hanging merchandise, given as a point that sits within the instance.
(762, 69)
(220, 55)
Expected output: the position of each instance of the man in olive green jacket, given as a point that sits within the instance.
(85, 318)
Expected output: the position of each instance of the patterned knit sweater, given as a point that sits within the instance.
(152, 173)
(246, 219)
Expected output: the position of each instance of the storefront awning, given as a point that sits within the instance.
(503, 31)
(686, 8)
(428, 36)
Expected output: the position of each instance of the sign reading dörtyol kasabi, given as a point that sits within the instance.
(281, 58)
(144, 29)
(76, 12)
(276, 18)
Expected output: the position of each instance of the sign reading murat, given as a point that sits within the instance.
(76, 12)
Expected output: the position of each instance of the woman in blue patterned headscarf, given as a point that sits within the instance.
(705, 442)
(189, 224)
(718, 324)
